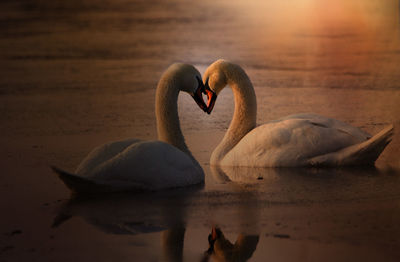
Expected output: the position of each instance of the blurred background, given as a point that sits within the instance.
(61, 60)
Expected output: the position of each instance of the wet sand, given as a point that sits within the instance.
(75, 75)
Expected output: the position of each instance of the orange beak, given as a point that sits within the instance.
(212, 237)
(211, 97)
(214, 234)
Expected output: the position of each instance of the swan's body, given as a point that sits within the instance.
(296, 140)
(133, 164)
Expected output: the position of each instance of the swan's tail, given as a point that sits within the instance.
(364, 153)
(78, 184)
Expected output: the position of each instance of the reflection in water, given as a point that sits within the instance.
(127, 213)
(311, 185)
(136, 214)
(172, 242)
(164, 212)
(274, 202)
(222, 249)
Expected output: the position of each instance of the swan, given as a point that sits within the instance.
(136, 165)
(295, 140)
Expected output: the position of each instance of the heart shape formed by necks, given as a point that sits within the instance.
(198, 96)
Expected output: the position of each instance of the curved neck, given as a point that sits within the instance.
(168, 125)
(245, 114)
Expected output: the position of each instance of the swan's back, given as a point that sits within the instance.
(292, 141)
(133, 165)
(152, 164)
(101, 154)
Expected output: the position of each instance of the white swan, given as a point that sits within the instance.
(296, 140)
(133, 164)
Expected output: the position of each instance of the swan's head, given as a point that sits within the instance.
(215, 80)
(223, 250)
(188, 79)
(216, 234)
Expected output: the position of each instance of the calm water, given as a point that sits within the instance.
(75, 74)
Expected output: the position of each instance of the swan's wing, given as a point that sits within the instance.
(79, 184)
(331, 123)
(101, 154)
(153, 164)
(292, 141)
(364, 153)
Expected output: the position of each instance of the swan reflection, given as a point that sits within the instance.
(132, 214)
(254, 201)
(166, 213)
(127, 213)
(221, 249)
(309, 185)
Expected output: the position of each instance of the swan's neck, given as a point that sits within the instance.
(244, 116)
(168, 125)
